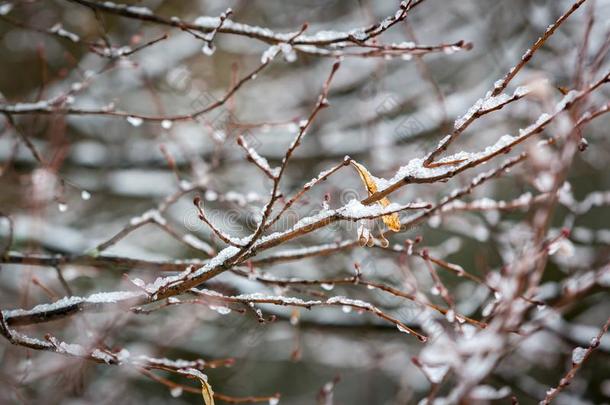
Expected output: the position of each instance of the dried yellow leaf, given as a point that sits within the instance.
(206, 391)
(391, 220)
(366, 177)
(206, 388)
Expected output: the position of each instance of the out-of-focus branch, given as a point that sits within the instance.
(579, 356)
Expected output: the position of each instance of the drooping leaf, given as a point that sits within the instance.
(391, 220)
(206, 388)
(366, 177)
(364, 236)
(206, 391)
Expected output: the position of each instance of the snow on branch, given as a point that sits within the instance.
(257, 159)
(460, 262)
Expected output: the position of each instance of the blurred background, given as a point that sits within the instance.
(103, 171)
